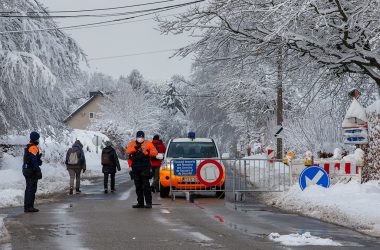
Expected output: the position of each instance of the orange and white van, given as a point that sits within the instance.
(198, 149)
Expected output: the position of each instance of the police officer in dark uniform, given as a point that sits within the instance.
(31, 171)
(140, 152)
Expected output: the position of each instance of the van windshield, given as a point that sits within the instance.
(192, 150)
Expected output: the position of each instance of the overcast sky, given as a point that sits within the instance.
(129, 38)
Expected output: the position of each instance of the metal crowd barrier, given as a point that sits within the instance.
(240, 176)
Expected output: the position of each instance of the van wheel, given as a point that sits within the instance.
(164, 192)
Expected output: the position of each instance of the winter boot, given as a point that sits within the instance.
(71, 191)
(77, 191)
(106, 191)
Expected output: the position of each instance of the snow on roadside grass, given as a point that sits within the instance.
(352, 204)
(302, 240)
(3, 231)
(55, 176)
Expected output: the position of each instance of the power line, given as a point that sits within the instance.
(185, 95)
(91, 10)
(99, 23)
(112, 24)
(98, 15)
(103, 9)
(129, 55)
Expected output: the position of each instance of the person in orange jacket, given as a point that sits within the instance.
(140, 152)
(156, 163)
(31, 171)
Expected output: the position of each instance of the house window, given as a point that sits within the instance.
(92, 115)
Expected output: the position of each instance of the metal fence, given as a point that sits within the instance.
(239, 177)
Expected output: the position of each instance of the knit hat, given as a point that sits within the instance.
(108, 143)
(78, 142)
(34, 136)
(140, 134)
(156, 137)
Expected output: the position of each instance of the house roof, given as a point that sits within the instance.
(94, 95)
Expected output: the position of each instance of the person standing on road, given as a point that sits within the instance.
(156, 163)
(31, 171)
(140, 151)
(110, 163)
(75, 163)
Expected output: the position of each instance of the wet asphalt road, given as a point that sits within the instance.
(95, 220)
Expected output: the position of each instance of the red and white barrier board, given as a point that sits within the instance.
(340, 168)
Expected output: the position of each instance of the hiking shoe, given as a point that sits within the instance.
(138, 206)
(113, 190)
(77, 191)
(31, 210)
(148, 206)
(106, 191)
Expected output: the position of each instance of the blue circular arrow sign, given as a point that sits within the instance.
(314, 175)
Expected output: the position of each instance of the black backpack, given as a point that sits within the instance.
(107, 157)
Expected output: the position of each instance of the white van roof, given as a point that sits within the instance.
(192, 140)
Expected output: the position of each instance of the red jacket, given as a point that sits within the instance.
(161, 148)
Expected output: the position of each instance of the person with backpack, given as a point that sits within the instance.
(140, 151)
(156, 163)
(110, 163)
(75, 163)
(31, 171)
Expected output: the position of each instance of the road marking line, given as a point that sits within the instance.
(201, 237)
(165, 211)
(126, 195)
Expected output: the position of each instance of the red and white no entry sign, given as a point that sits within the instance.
(210, 173)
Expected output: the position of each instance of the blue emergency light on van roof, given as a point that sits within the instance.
(191, 135)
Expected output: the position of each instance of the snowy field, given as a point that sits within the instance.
(55, 176)
(352, 204)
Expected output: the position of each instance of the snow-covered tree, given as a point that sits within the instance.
(127, 111)
(173, 101)
(136, 80)
(35, 68)
(371, 171)
(341, 36)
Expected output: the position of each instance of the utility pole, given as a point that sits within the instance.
(280, 103)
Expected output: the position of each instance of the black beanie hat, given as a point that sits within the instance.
(140, 134)
(34, 136)
(156, 137)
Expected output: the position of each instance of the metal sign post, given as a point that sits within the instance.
(97, 142)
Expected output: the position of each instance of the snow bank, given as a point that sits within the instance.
(55, 176)
(2, 227)
(355, 114)
(352, 204)
(302, 240)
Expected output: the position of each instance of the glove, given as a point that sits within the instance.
(84, 170)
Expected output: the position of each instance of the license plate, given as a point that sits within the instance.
(190, 179)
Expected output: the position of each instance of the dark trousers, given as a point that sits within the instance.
(112, 181)
(156, 178)
(30, 192)
(141, 176)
